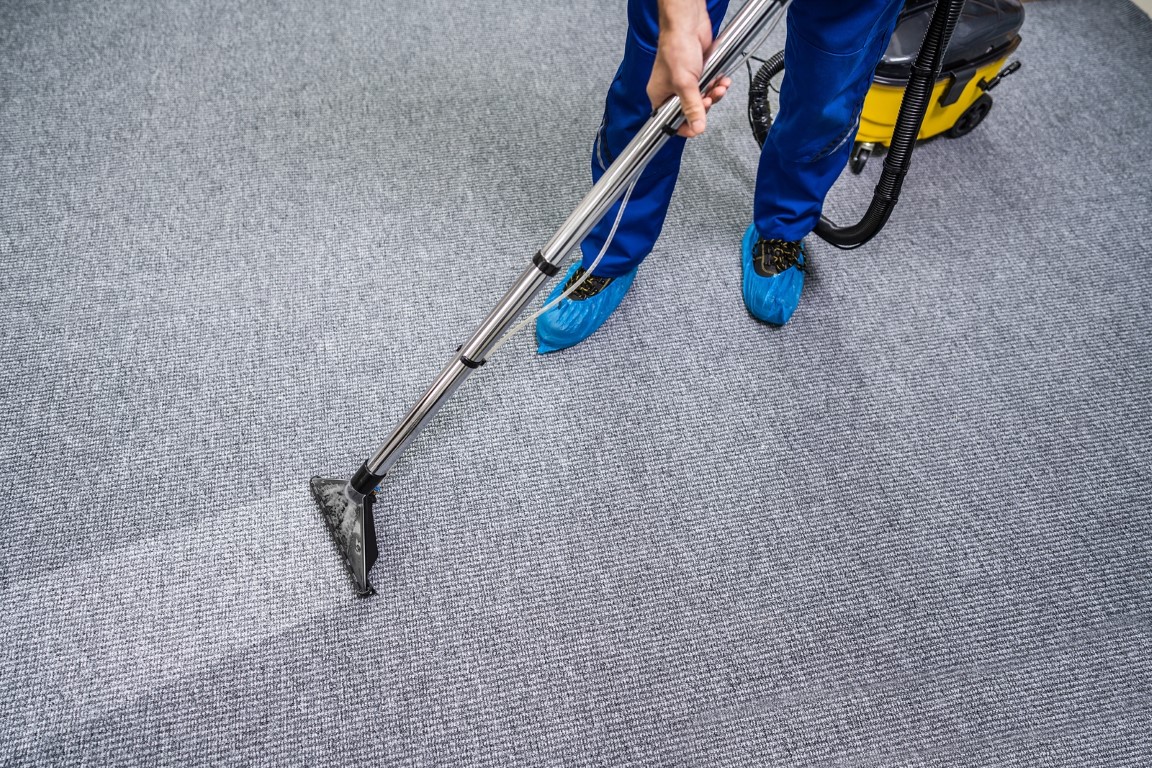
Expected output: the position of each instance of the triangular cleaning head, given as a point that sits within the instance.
(351, 525)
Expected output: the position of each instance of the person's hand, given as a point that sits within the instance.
(685, 38)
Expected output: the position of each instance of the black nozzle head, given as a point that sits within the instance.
(348, 516)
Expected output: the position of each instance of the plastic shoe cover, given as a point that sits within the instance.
(771, 299)
(570, 322)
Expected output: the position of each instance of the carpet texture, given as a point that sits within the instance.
(238, 239)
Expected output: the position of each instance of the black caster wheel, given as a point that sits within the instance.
(860, 155)
(971, 117)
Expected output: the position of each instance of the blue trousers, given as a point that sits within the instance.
(831, 53)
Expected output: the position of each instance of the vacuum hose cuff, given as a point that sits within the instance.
(364, 482)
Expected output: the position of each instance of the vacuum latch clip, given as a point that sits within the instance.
(990, 84)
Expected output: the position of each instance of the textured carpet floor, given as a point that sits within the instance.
(239, 238)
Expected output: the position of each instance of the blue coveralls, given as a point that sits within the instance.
(832, 49)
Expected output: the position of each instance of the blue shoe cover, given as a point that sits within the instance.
(771, 299)
(570, 322)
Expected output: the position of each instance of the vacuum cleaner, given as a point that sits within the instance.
(985, 36)
(347, 505)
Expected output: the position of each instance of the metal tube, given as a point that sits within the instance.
(409, 427)
(733, 45)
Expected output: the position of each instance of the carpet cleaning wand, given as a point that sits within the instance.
(346, 505)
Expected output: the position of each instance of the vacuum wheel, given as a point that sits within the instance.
(971, 117)
(860, 154)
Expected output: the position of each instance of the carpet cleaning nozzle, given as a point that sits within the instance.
(348, 516)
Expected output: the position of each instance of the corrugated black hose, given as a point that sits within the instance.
(917, 96)
(759, 110)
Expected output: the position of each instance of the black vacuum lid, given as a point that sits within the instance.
(985, 28)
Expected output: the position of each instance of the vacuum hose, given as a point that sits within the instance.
(759, 111)
(913, 107)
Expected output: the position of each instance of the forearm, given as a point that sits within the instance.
(682, 17)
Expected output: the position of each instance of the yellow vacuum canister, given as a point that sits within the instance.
(986, 34)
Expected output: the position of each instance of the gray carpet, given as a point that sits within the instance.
(239, 238)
